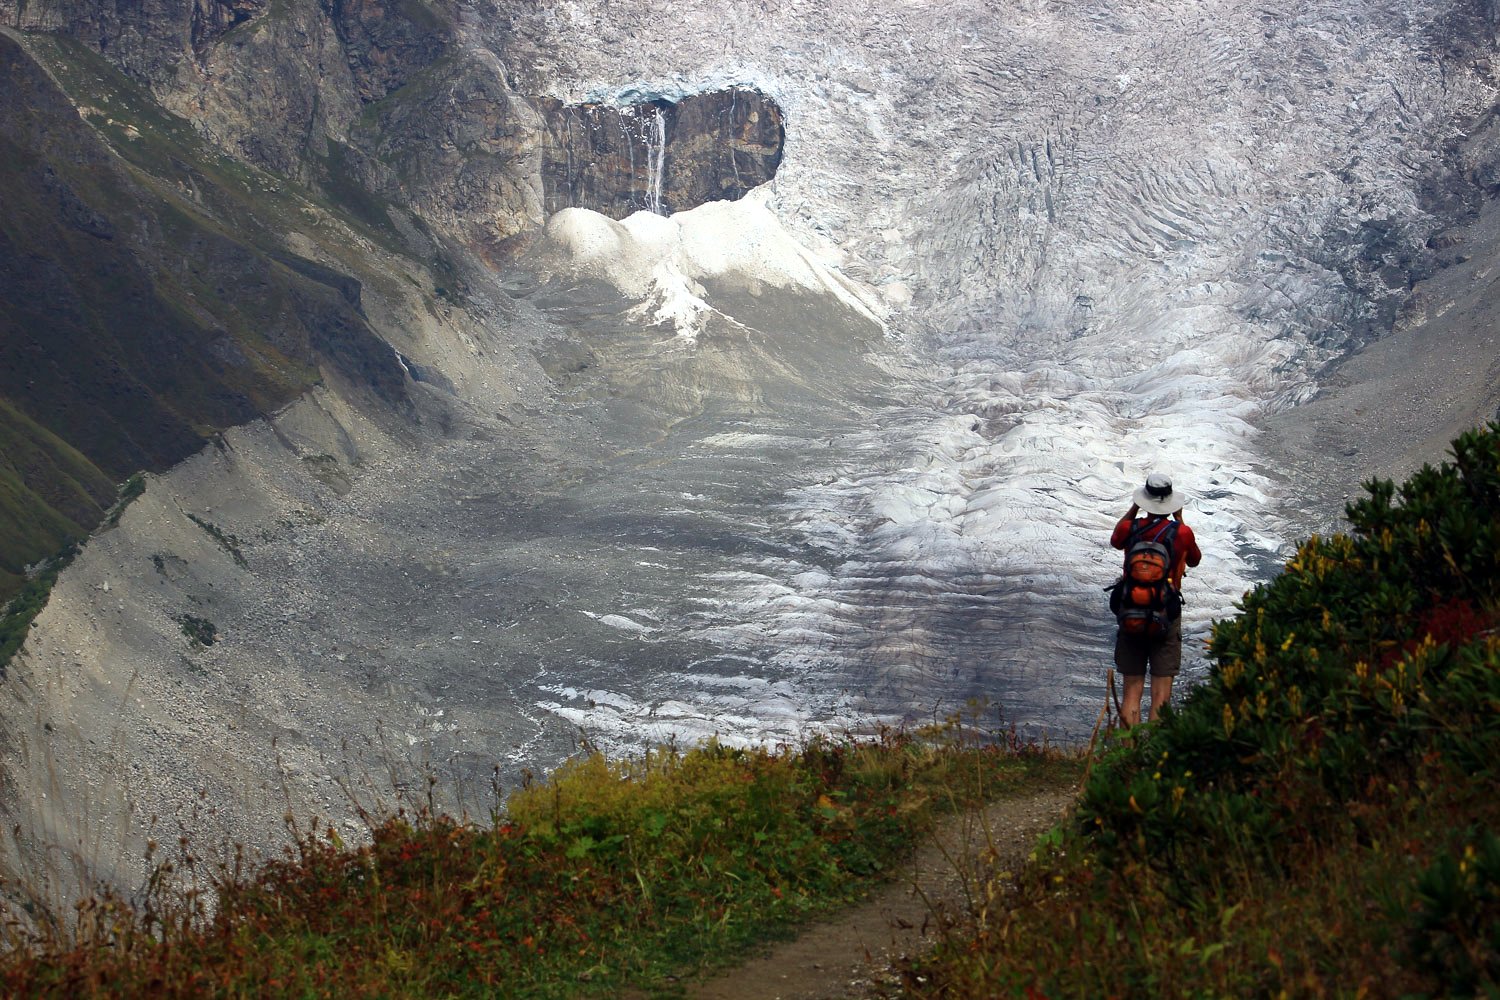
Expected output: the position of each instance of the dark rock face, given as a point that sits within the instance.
(273, 82)
(290, 81)
(457, 146)
(147, 39)
(386, 43)
(212, 18)
(659, 155)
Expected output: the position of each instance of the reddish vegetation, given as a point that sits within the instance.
(607, 876)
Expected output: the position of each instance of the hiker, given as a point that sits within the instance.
(1147, 599)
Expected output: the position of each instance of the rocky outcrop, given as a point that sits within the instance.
(212, 18)
(289, 83)
(663, 156)
(272, 82)
(458, 147)
(378, 95)
(386, 44)
(483, 164)
(148, 40)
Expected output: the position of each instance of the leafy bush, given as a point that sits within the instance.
(1334, 673)
(1455, 929)
(130, 490)
(199, 631)
(226, 541)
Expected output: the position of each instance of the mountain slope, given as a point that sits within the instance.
(146, 303)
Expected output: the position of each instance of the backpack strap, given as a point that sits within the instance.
(1165, 536)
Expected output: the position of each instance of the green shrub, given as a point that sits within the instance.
(1334, 673)
(1455, 929)
(129, 491)
(228, 542)
(17, 616)
(200, 631)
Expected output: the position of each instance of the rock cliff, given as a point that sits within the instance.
(659, 155)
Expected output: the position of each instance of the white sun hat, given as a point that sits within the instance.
(1158, 496)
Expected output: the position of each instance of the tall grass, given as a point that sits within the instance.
(610, 875)
(1315, 820)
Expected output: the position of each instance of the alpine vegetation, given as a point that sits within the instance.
(610, 875)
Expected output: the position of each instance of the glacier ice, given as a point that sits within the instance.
(1112, 235)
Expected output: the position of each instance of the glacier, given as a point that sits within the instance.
(1113, 237)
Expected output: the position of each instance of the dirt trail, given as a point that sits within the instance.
(850, 955)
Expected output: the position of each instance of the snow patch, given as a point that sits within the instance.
(662, 261)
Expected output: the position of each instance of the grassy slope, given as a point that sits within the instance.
(36, 585)
(104, 348)
(34, 526)
(609, 876)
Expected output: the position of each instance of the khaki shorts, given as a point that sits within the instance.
(1164, 656)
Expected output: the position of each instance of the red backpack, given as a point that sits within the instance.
(1143, 599)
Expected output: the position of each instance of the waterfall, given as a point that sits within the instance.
(656, 154)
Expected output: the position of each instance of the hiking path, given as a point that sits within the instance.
(849, 955)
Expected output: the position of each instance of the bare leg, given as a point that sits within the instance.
(1130, 706)
(1161, 693)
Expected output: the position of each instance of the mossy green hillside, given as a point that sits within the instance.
(35, 525)
(226, 243)
(234, 197)
(34, 587)
(31, 597)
